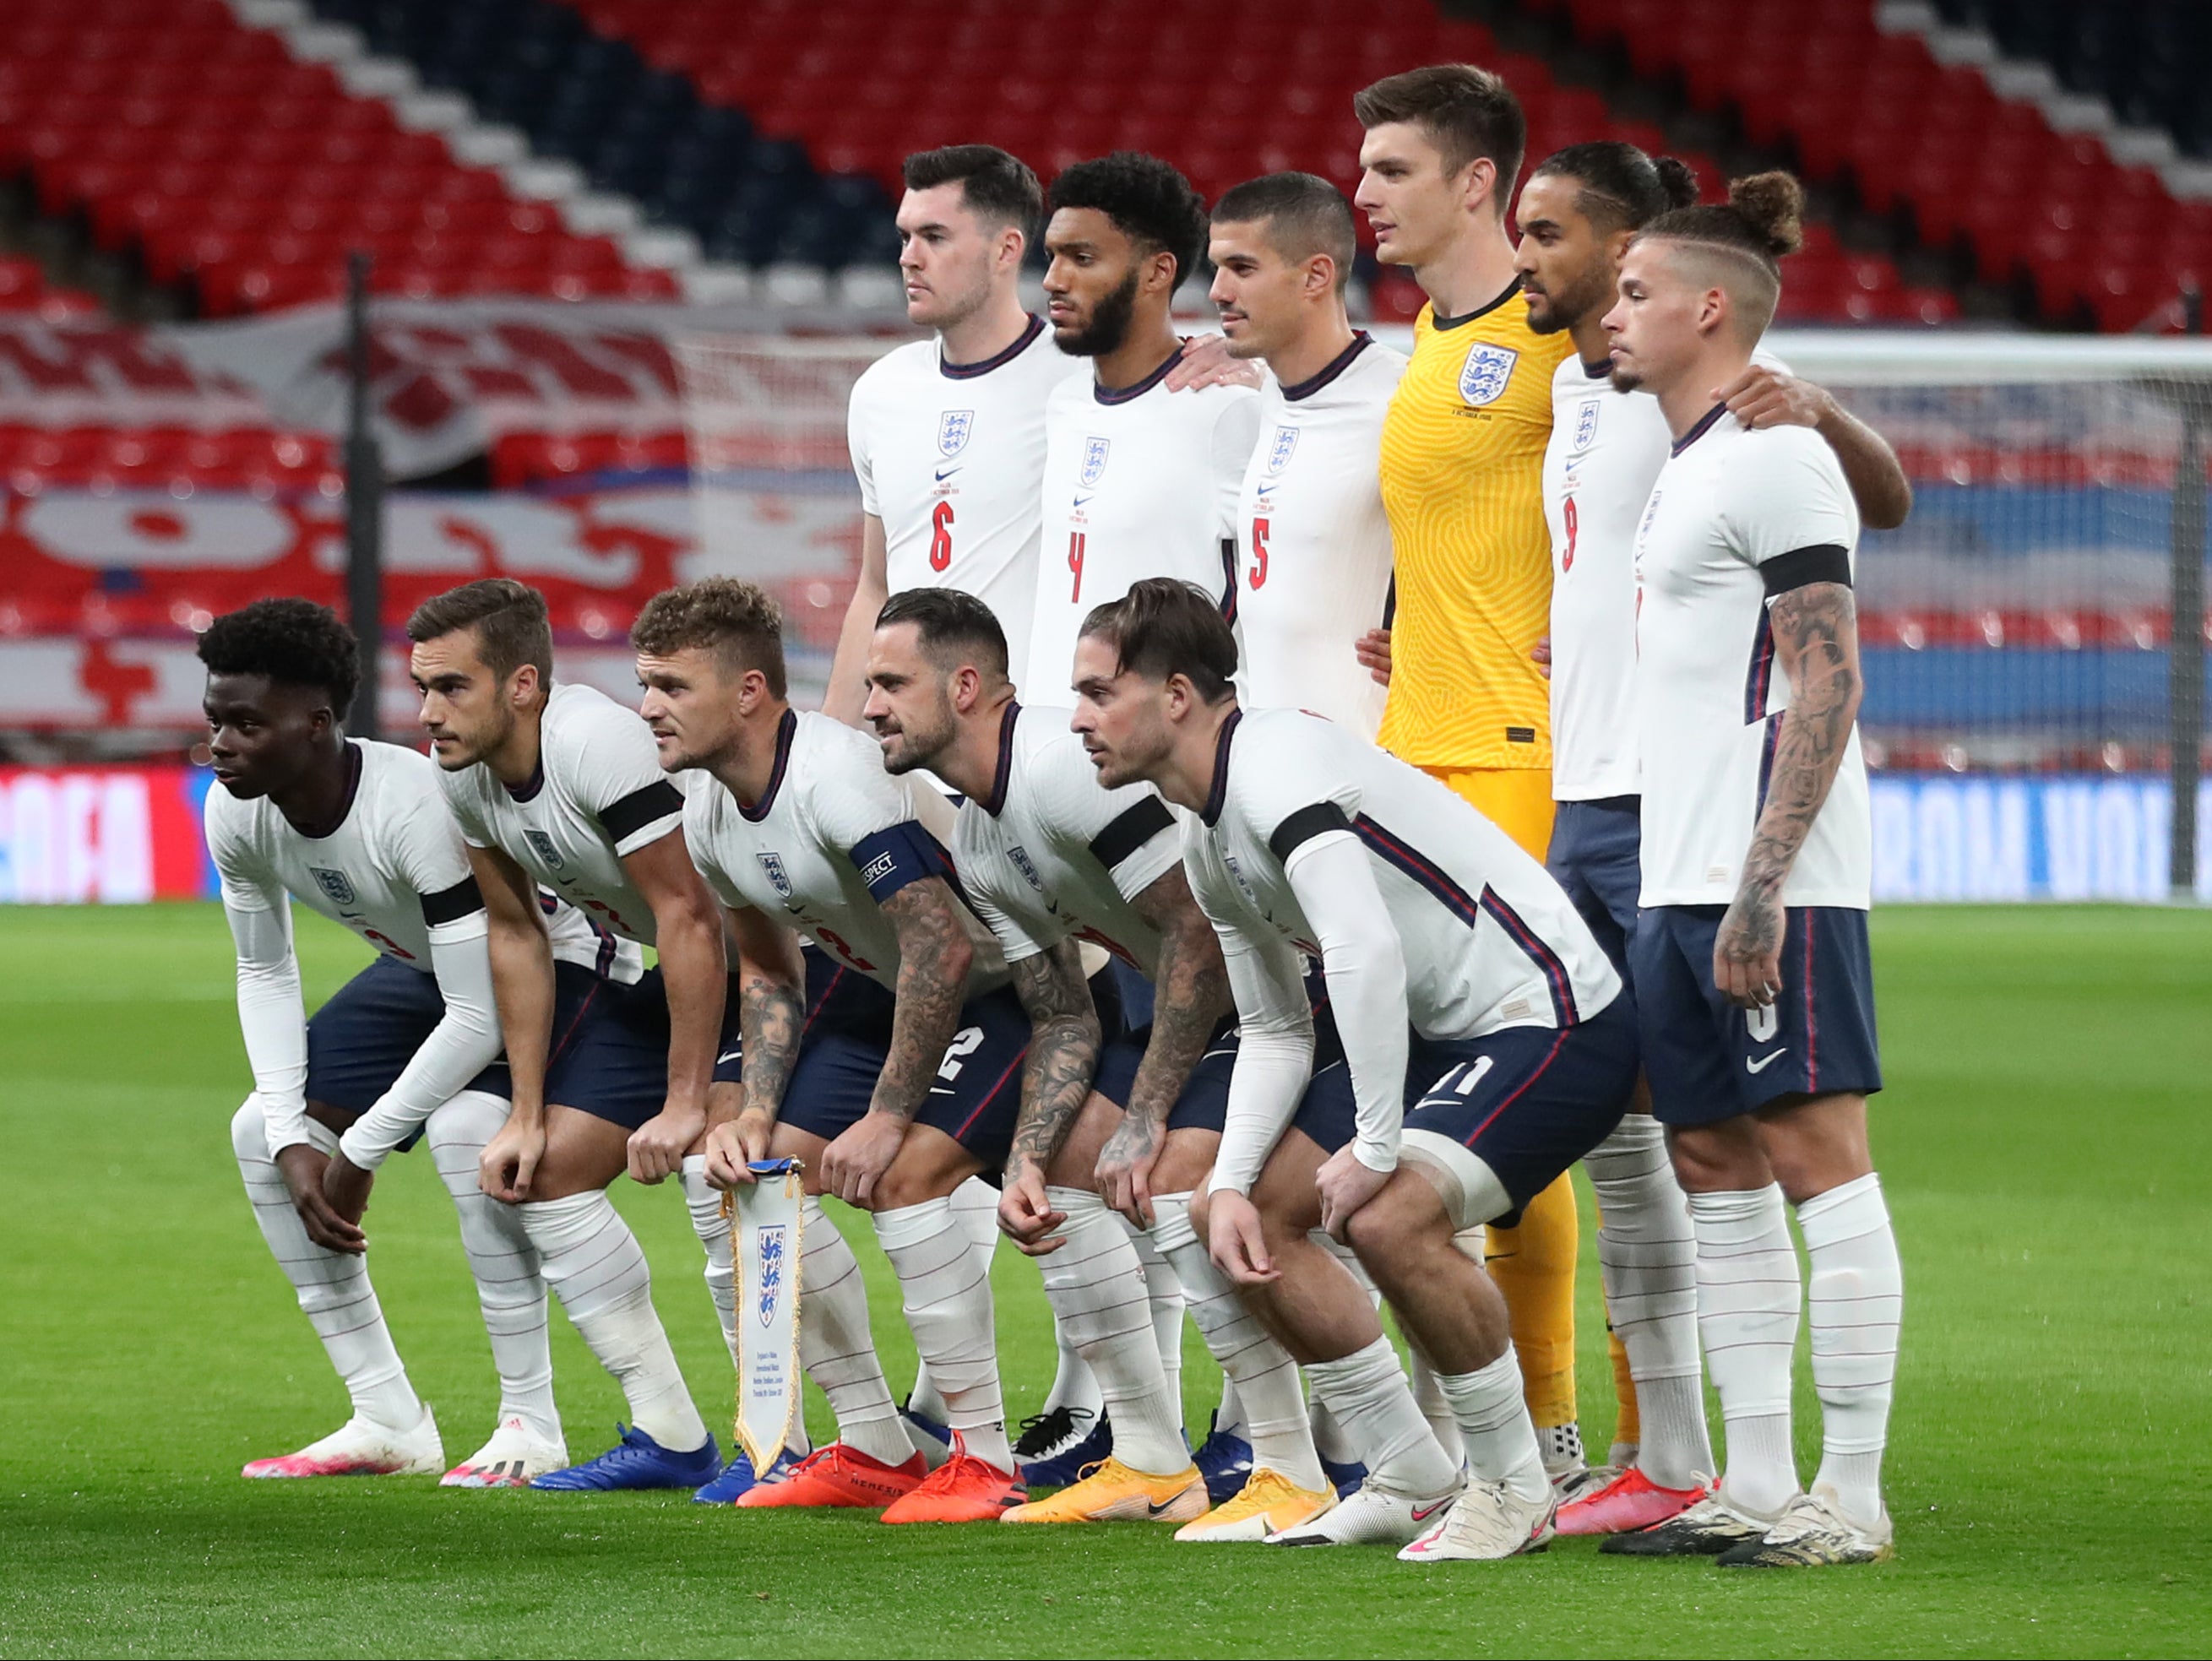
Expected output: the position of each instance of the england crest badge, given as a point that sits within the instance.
(1022, 863)
(1278, 449)
(1094, 460)
(337, 884)
(952, 430)
(1483, 377)
(770, 1291)
(772, 865)
(541, 845)
(1586, 424)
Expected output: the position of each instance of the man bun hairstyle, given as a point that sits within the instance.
(1148, 201)
(1164, 626)
(953, 628)
(509, 619)
(1468, 113)
(1743, 240)
(1621, 188)
(997, 187)
(738, 621)
(296, 643)
(1304, 215)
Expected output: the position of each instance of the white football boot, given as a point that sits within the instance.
(1370, 1516)
(1813, 1533)
(361, 1447)
(515, 1453)
(1487, 1522)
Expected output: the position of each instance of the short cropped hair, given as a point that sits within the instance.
(1149, 201)
(296, 643)
(949, 625)
(738, 621)
(1468, 113)
(512, 627)
(1761, 221)
(1304, 215)
(1620, 187)
(999, 187)
(1164, 626)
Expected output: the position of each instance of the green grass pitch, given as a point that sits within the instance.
(2044, 1142)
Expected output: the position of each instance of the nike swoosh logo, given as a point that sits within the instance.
(1081, 501)
(732, 1056)
(1159, 1510)
(944, 473)
(1422, 1513)
(1764, 1061)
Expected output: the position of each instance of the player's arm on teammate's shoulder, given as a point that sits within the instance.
(1206, 362)
(771, 1014)
(1816, 643)
(934, 957)
(1763, 395)
(522, 987)
(1190, 996)
(687, 923)
(1064, 1040)
(847, 692)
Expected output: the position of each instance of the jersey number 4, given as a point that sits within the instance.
(941, 536)
(1075, 541)
(1260, 533)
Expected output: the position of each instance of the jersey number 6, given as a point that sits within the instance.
(941, 536)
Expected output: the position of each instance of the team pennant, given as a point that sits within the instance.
(764, 1238)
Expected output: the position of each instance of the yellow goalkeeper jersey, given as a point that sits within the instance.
(1462, 470)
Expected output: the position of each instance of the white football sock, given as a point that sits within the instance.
(704, 1202)
(1164, 1293)
(947, 1294)
(1494, 1424)
(1331, 1441)
(510, 1290)
(835, 1345)
(1367, 1394)
(1257, 1367)
(1443, 1424)
(1229, 1418)
(593, 1264)
(332, 1287)
(976, 1203)
(1097, 1291)
(1748, 1297)
(1648, 1259)
(1857, 1296)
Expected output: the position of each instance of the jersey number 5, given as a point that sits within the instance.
(941, 536)
(1260, 530)
(1075, 539)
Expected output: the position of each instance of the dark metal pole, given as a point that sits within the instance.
(2186, 637)
(364, 475)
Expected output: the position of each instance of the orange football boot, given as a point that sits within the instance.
(840, 1475)
(964, 1490)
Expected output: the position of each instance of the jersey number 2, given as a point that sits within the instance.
(941, 536)
(1260, 530)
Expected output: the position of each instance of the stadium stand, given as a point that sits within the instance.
(24, 289)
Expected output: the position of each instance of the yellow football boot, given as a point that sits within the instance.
(1111, 1492)
(1268, 1503)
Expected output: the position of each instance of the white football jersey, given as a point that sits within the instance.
(1313, 547)
(598, 796)
(833, 837)
(1137, 483)
(1489, 940)
(1050, 852)
(1709, 693)
(1605, 453)
(950, 457)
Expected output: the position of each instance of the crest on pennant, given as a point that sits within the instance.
(1586, 424)
(541, 845)
(337, 884)
(1279, 447)
(772, 865)
(952, 430)
(1094, 460)
(771, 1262)
(1483, 377)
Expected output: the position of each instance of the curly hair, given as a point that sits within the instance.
(737, 621)
(294, 643)
(1147, 200)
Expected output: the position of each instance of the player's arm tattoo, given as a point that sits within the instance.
(1064, 1040)
(771, 1014)
(1190, 996)
(934, 956)
(1816, 638)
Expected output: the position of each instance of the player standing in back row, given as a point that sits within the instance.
(1461, 468)
(1753, 981)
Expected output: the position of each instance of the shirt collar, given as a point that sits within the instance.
(1217, 798)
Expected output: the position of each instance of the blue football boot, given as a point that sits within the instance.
(636, 1461)
(1224, 1460)
(738, 1477)
(1343, 1478)
(1054, 1447)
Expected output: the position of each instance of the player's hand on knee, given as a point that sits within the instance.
(1346, 1184)
(657, 1146)
(1206, 362)
(346, 1186)
(1025, 1214)
(1747, 952)
(509, 1162)
(1125, 1169)
(855, 1162)
(1373, 651)
(733, 1145)
(1235, 1240)
(301, 1167)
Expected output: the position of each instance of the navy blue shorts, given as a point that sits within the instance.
(1709, 1060)
(1528, 1102)
(1596, 856)
(361, 1040)
(609, 1056)
(1124, 1002)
